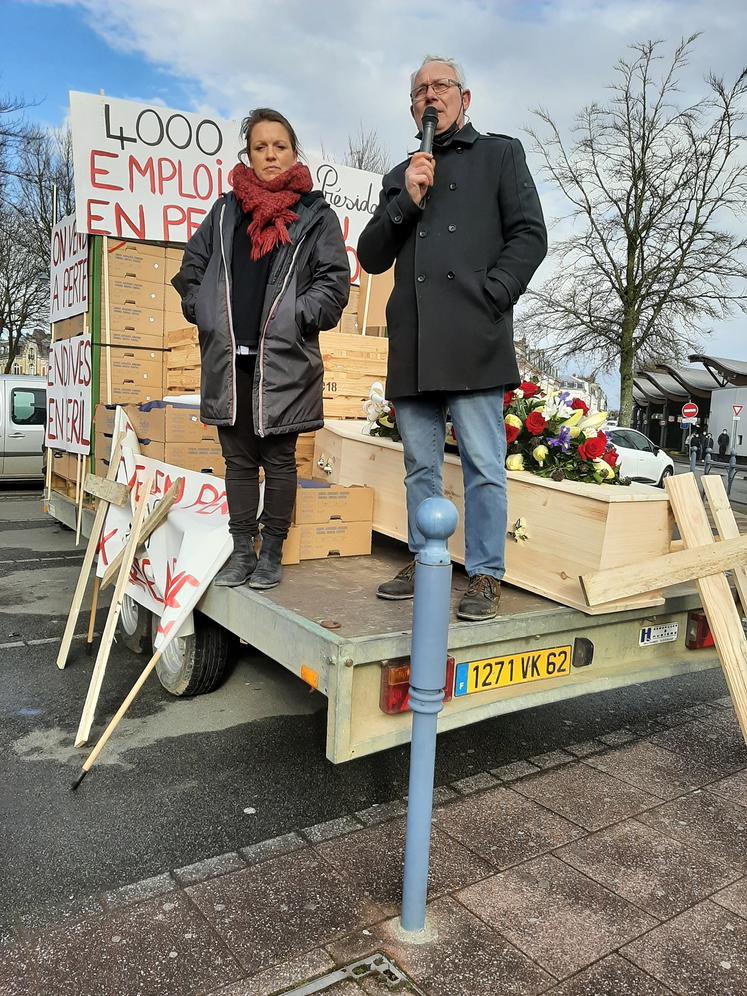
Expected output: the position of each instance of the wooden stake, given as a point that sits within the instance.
(715, 593)
(48, 478)
(88, 557)
(107, 637)
(150, 525)
(92, 620)
(114, 722)
(672, 568)
(726, 525)
(79, 497)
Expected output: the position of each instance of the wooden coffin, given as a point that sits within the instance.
(571, 528)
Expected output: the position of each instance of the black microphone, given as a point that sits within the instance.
(428, 128)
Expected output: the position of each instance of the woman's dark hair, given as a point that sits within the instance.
(260, 114)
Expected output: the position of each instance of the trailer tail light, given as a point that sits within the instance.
(395, 685)
(699, 635)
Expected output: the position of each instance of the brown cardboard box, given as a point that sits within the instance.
(173, 320)
(139, 293)
(69, 327)
(134, 338)
(133, 375)
(173, 424)
(318, 502)
(65, 465)
(335, 539)
(130, 318)
(292, 547)
(136, 260)
(172, 301)
(204, 458)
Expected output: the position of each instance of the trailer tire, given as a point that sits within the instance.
(194, 664)
(135, 626)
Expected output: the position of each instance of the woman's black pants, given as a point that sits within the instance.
(245, 452)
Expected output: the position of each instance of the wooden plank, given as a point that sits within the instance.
(672, 568)
(718, 603)
(148, 527)
(726, 524)
(107, 489)
(99, 668)
(93, 542)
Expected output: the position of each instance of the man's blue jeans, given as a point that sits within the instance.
(478, 424)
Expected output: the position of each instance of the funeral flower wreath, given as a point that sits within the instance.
(550, 434)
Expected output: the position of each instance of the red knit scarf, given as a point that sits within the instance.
(269, 203)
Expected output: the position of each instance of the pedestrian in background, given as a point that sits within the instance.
(723, 442)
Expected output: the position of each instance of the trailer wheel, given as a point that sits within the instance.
(135, 626)
(195, 664)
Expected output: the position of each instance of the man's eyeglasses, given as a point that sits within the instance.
(439, 87)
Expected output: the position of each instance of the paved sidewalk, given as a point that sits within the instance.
(616, 867)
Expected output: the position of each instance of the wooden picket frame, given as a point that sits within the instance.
(726, 526)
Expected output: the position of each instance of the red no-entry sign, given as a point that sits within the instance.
(690, 410)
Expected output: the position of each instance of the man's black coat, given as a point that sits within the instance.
(463, 259)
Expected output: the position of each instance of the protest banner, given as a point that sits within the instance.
(68, 425)
(68, 271)
(148, 173)
(179, 560)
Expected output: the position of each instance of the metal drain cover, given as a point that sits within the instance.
(376, 965)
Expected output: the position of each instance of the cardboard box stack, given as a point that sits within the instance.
(329, 521)
(170, 433)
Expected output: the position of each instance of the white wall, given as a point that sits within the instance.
(721, 416)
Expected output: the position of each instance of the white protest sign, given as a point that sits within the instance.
(68, 424)
(179, 560)
(68, 272)
(144, 172)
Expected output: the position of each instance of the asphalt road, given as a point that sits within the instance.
(184, 780)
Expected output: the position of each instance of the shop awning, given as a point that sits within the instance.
(724, 371)
(666, 385)
(698, 383)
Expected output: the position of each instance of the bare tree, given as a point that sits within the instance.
(24, 285)
(44, 162)
(653, 187)
(14, 131)
(366, 151)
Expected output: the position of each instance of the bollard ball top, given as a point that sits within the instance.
(437, 518)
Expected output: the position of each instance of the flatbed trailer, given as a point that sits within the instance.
(325, 624)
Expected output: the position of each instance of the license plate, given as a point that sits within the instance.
(499, 672)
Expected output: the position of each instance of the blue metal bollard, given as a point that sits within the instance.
(731, 472)
(437, 520)
(708, 461)
(693, 458)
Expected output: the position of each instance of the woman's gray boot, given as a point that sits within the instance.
(268, 571)
(240, 565)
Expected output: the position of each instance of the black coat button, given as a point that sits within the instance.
(421, 278)
(452, 185)
(422, 233)
(459, 149)
(397, 218)
(450, 275)
(452, 228)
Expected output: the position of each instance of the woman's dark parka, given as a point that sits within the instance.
(308, 288)
(462, 261)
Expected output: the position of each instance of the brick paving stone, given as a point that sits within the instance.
(617, 737)
(442, 794)
(307, 966)
(681, 716)
(503, 827)
(613, 976)
(733, 788)
(659, 874)
(716, 742)
(555, 915)
(704, 821)
(551, 759)
(734, 898)
(702, 952)
(469, 959)
(332, 828)
(517, 769)
(586, 748)
(381, 812)
(272, 848)
(372, 859)
(277, 910)
(162, 946)
(653, 769)
(209, 868)
(474, 783)
(586, 796)
(146, 888)
(360, 944)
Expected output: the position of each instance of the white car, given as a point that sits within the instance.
(639, 458)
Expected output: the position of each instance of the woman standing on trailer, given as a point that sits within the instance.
(263, 275)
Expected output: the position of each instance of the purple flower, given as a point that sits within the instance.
(563, 440)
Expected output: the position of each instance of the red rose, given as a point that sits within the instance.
(535, 424)
(593, 448)
(610, 457)
(528, 389)
(578, 403)
(511, 433)
(508, 397)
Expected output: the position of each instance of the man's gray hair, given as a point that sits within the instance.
(452, 63)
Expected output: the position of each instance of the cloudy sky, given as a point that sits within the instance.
(332, 66)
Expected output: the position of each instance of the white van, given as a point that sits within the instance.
(23, 413)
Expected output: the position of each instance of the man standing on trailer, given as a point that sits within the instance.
(465, 227)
